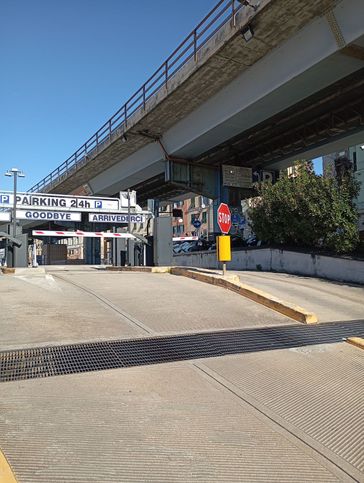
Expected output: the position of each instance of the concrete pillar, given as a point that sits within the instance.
(118, 250)
(21, 253)
(162, 241)
(92, 251)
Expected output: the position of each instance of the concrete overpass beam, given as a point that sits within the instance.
(306, 63)
(309, 61)
(142, 165)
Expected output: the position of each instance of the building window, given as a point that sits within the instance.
(204, 217)
(193, 217)
(193, 203)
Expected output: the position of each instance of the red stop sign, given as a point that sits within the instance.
(224, 218)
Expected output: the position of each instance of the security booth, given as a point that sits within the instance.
(14, 251)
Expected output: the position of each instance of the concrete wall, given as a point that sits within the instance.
(266, 259)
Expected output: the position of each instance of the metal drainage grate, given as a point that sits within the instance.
(77, 358)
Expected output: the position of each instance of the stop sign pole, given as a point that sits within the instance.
(223, 242)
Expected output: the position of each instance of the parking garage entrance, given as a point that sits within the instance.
(65, 229)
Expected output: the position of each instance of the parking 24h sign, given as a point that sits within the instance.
(40, 201)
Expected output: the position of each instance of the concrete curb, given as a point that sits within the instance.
(6, 473)
(233, 283)
(357, 341)
(8, 271)
(140, 269)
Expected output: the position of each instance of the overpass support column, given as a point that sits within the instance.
(222, 197)
(162, 245)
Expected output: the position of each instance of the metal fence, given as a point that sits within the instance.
(223, 12)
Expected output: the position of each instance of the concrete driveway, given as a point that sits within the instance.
(254, 396)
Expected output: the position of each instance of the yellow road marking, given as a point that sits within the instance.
(6, 473)
(357, 341)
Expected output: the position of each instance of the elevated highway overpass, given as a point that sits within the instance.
(257, 84)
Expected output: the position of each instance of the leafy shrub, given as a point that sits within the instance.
(308, 211)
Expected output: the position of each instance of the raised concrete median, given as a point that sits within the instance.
(140, 269)
(232, 282)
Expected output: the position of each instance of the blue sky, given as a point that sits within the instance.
(317, 165)
(67, 66)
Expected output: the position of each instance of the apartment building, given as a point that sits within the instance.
(196, 208)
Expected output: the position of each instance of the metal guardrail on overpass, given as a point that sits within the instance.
(223, 12)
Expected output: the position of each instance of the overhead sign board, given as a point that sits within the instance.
(236, 176)
(127, 199)
(5, 215)
(42, 201)
(116, 218)
(48, 215)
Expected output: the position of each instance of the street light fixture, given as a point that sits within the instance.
(15, 173)
(247, 33)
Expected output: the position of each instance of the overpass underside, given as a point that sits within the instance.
(295, 90)
(319, 124)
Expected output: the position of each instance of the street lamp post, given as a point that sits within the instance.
(15, 173)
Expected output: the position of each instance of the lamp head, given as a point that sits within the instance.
(15, 171)
(247, 33)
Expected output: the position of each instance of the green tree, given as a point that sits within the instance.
(308, 211)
